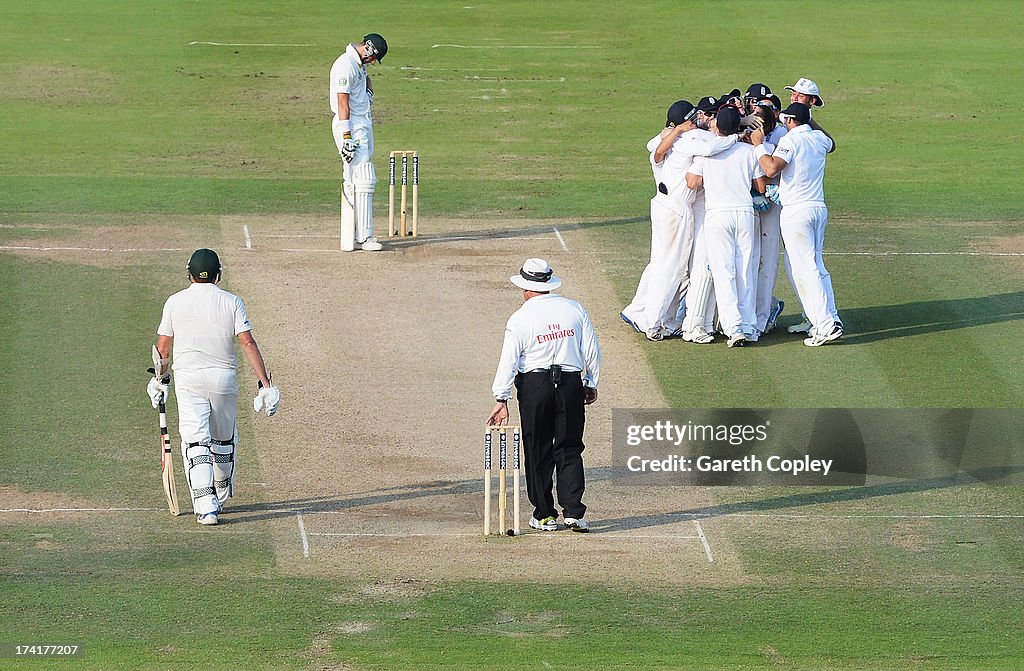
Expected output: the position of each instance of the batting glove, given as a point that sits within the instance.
(771, 191)
(762, 204)
(157, 389)
(348, 149)
(267, 397)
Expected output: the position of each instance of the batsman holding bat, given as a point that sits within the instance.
(199, 326)
(352, 124)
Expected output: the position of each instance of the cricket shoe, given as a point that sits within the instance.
(577, 524)
(738, 340)
(802, 327)
(699, 336)
(546, 524)
(371, 245)
(773, 315)
(630, 322)
(207, 519)
(818, 340)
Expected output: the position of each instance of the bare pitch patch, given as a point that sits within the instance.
(385, 363)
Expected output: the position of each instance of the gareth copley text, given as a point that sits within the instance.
(751, 463)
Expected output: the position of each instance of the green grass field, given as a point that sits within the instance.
(117, 111)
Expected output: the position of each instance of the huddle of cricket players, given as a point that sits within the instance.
(737, 177)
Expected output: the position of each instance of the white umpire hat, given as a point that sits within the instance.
(536, 275)
(808, 88)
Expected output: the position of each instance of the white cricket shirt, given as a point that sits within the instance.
(348, 75)
(203, 320)
(548, 329)
(802, 181)
(728, 176)
(672, 171)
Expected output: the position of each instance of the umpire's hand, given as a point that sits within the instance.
(499, 415)
(589, 395)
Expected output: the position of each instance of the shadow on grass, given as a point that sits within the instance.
(883, 322)
(388, 495)
(986, 475)
(506, 233)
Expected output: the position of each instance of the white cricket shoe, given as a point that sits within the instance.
(698, 336)
(208, 519)
(773, 314)
(802, 327)
(818, 340)
(738, 340)
(574, 524)
(371, 245)
(546, 524)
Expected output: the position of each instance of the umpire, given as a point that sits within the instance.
(550, 353)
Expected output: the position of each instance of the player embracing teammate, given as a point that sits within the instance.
(762, 192)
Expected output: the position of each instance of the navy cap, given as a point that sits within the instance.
(679, 113)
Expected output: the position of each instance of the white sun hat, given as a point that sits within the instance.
(808, 88)
(536, 275)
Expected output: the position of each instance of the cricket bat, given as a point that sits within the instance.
(166, 461)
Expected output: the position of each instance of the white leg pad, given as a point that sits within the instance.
(199, 474)
(364, 178)
(224, 465)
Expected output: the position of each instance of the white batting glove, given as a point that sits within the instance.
(157, 390)
(267, 397)
(771, 191)
(348, 149)
(762, 204)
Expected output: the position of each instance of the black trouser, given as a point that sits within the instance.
(552, 419)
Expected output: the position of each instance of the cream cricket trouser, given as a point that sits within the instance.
(732, 241)
(700, 294)
(207, 408)
(655, 307)
(768, 268)
(803, 233)
(359, 176)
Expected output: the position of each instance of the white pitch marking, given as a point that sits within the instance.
(924, 253)
(561, 240)
(245, 234)
(513, 46)
(80, 510)
(704, 541)
(560, 80)
(246, 44)
(967, 516)
(373, 534)
(126, 250)
(27, 248)
(297, 236)
(419, 69)
(302, 534)
(604, 536)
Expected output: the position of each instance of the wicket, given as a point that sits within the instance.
(502, 432)
(415, 192)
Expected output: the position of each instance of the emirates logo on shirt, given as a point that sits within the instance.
(555, 332)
